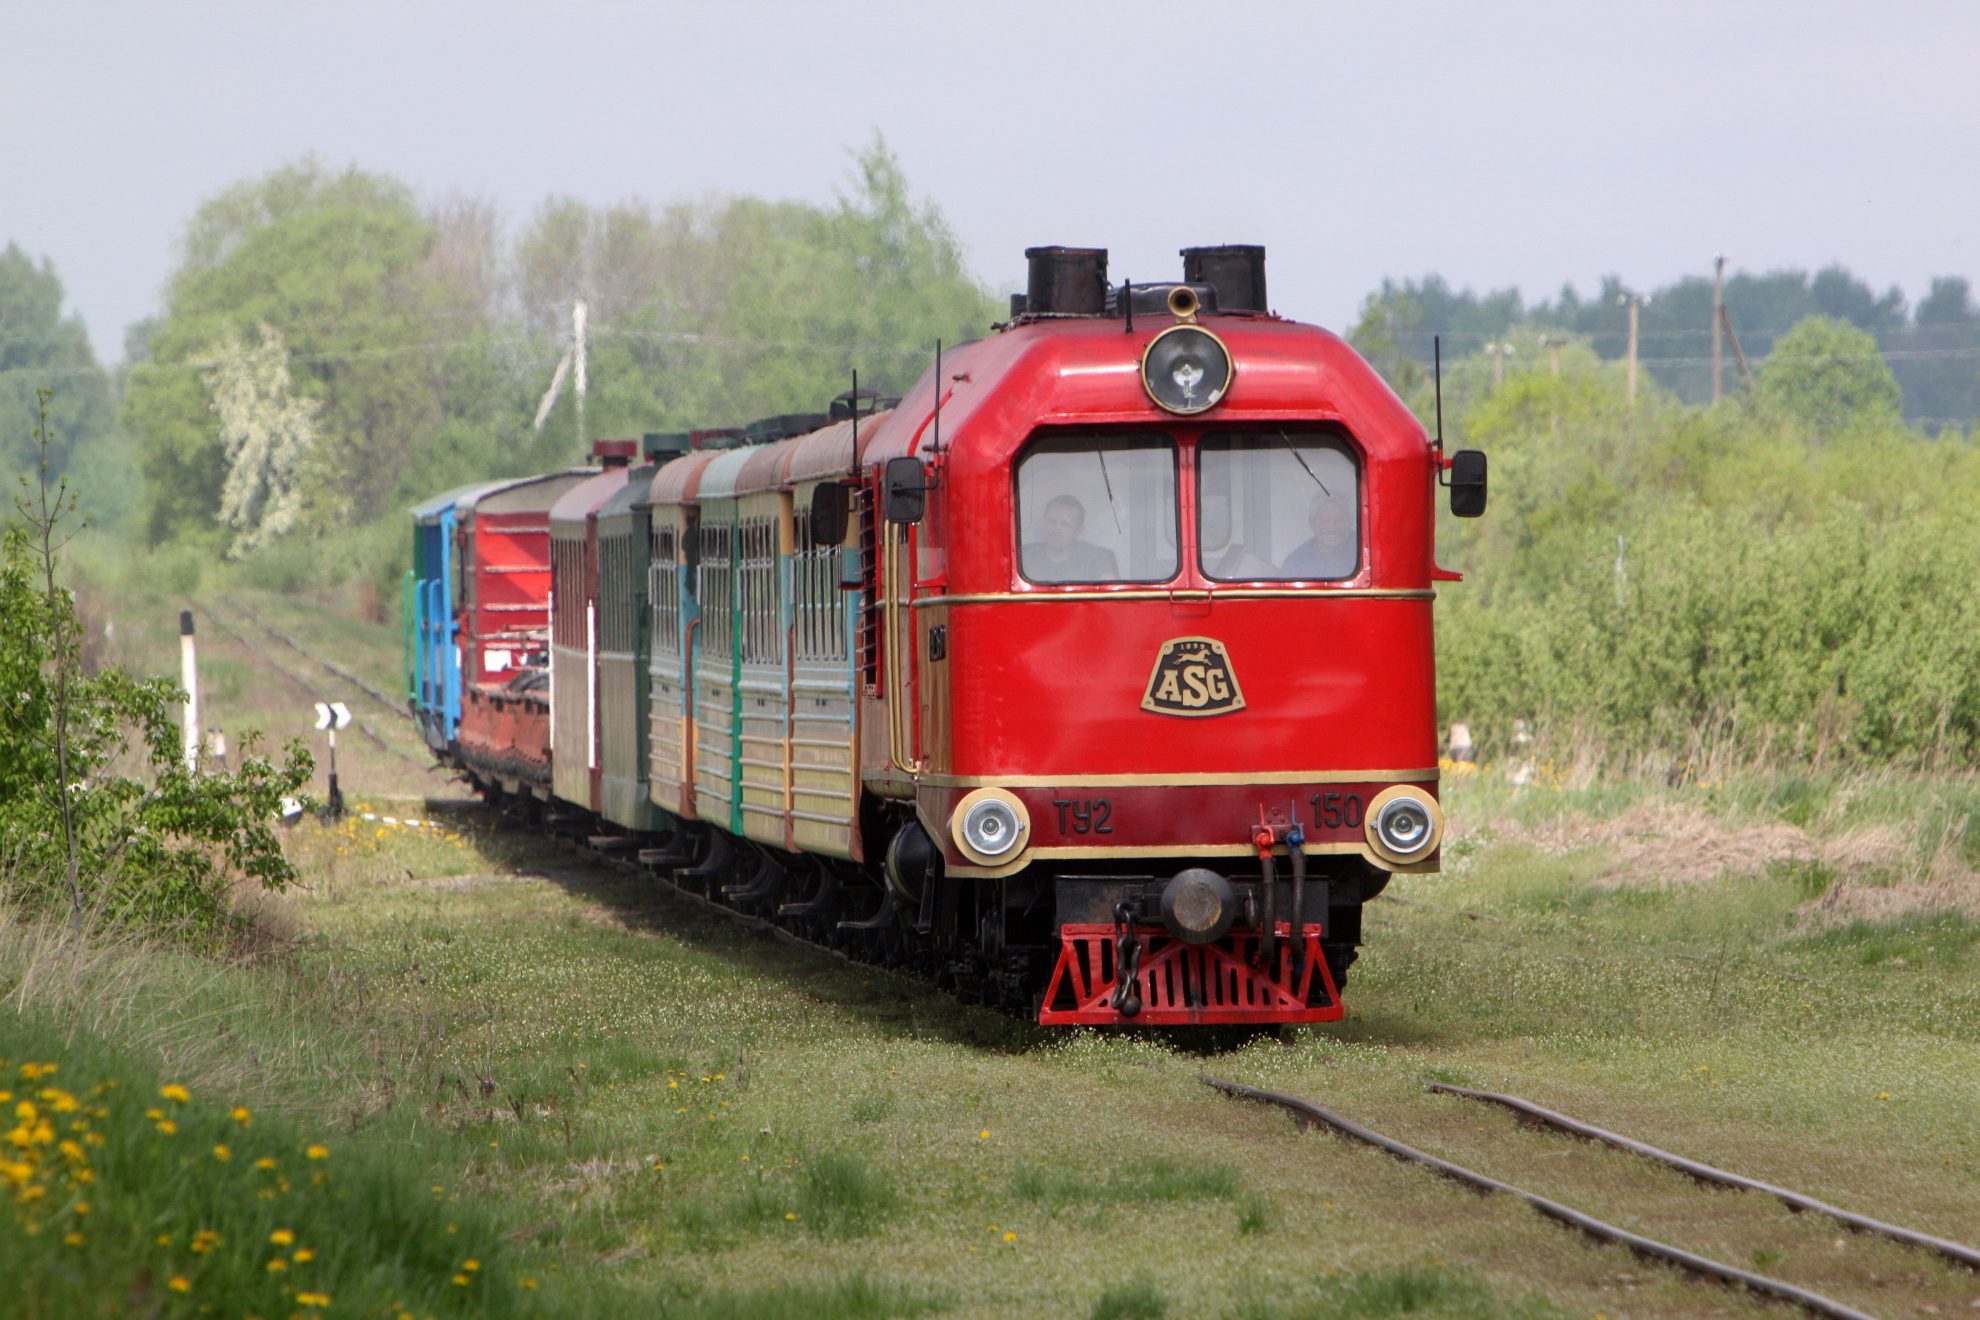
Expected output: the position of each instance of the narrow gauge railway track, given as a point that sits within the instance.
(1956, 1252)
(1309, 1114)
(396, 705)
(303, 682)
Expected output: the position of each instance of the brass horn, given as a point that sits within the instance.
(1184, 303)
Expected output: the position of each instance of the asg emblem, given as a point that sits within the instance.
(1193, 676)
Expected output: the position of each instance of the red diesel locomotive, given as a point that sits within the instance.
(1095, 677)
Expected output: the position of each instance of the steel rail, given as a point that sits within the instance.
(253, 648)
(397, 707)
(1308, 1114)
(1957, 1252)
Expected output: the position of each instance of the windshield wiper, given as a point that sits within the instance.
(1294, 451)
(1107, 481)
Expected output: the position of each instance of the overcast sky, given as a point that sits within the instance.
(1495, 144)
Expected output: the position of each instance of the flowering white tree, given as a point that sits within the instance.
(267, 431)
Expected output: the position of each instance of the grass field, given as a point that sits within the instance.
(612, 1103)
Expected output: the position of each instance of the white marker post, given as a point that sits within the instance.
(189, 680)
(330, 717)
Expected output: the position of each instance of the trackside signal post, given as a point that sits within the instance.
(330, 717)
(189, 680)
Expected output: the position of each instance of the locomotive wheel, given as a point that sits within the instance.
(1339, 958)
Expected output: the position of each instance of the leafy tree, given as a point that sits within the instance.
(78, 833)
(337, 264)
(1829, 375)
(269, 435)
(1938, 364)
(40, 349)
(721, 313)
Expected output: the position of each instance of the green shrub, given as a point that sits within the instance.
(98, 813)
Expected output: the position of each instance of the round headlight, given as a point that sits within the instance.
(1186, 369)
(1404, 824)
(990, 826)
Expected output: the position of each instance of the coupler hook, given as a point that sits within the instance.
(1127, 963)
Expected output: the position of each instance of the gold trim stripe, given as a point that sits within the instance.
(1181, 595)
(1183, 779)
(1178, 850)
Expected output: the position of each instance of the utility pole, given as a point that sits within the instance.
(1718, 318)
(1553, 343)
(579, 313)
(1635, 305)
(1498, 352)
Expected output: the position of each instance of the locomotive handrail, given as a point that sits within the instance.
(893, 581)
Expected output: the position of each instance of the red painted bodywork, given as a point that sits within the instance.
(511, 613)
(1334, 681)
(1337, 677)
(506, 734)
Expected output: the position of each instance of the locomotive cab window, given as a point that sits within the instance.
(1278, 506)
(1097, 509)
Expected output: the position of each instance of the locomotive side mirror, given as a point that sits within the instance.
(906, 490)
(1467, 482)
(828, 513)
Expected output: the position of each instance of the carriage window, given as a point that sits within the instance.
(763, 633)
(1278, 506)
(663, 589)
(715, 589)
(1098, 509)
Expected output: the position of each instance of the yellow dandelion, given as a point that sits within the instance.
(277, 1265)
(167, 1126)
(1010, 1237)
(470, 1265)
(790, 1214)
(180, 1284)
(984, 1135)
(460, 1281)
(1883, 1095)
(241, 1115)
(222, 1154)
(528, 1283)
(265, 1162)
(318, 1152)
(164, 1239)
(302, 1256)
(154, 1114)
(175, 1092)
(281, 1237)
(74, 1239)
(312, 1299)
